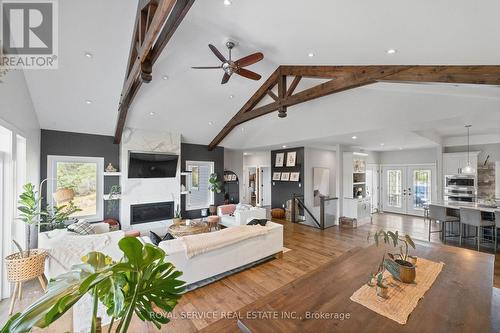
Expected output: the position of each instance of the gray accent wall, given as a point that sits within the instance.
(195, 152)
(281, 191)
(80, 144)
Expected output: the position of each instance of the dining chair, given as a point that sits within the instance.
(438, 213)
(472, 217)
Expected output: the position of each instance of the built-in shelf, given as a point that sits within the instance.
(186, 173)
(115, 197)
(112, 173)
(184, 192)
(359, 183)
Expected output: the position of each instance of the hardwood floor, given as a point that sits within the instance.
(309, 248)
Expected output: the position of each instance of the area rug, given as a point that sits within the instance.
(403, 298)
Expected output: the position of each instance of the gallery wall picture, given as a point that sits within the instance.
(280, 157)
(321, 184)
(290, 158)
(285, 176)
(294, 176)
(277, 176)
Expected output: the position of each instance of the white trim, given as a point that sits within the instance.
(211, 165)
(51, 159)
(408, 164)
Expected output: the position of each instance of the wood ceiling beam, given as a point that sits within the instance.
(293, 86)
(349, 77)
(156, 22)
(272, 95)
(250, 104)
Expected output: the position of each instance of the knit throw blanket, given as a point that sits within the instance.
(202, 243)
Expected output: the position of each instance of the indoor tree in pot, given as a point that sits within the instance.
(399, 265)
(216, 186)
(141, 284)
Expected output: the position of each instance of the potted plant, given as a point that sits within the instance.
(141, 284)
(114, 196)
(58, 215)
(216, 186)
(177, 216)
(398, 264)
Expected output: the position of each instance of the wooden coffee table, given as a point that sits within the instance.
(196, 227)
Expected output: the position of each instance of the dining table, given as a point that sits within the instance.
(460, 298)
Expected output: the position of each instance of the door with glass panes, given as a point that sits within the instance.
(406, 189)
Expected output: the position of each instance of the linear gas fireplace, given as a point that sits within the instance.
(150, 212)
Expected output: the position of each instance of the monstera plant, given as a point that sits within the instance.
(142, 283)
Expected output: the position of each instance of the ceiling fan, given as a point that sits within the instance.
(229, 66)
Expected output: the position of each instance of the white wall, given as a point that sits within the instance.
(136, 191)
(318, 158)
(410, 156)
(233, 161)
(17, 114)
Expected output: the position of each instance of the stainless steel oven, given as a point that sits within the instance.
(460, 188)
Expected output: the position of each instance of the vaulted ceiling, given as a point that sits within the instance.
(336, 32)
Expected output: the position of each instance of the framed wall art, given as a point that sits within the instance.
(290, 158)
(285, 176)
(280, 157)
(277, 176)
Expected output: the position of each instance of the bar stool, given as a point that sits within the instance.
(497, 226)
(472, 217)
(438, 213)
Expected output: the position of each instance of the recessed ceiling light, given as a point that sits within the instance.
(245, 154)
(392, 51)
(243, 129)
(88, 102)
(152, 113)
(400, 148)
(228, 2)
(284, 146)
(354, 137)
(165, 77)
(382, 144)
(231, 96)
(310, 54)
(210, 123)
(88, 55)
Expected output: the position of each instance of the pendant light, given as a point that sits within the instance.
(468, 168)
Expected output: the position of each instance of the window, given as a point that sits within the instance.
(199, 196)
(84, 175)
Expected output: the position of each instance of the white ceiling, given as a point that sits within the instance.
(337, 32)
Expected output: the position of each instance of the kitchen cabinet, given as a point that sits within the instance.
(358, 208)
(454, 163)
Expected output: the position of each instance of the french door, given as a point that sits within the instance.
(406, 189)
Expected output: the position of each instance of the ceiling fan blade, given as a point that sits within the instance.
(249, 60)
(225, 78)
(248, 74)
(217, 53)
(206, 67)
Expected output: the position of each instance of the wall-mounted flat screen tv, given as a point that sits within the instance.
(152, 165)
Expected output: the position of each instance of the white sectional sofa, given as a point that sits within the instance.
(222, 260)
(66, 248)
(232, 215)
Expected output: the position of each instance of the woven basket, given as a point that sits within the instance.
(22, 269)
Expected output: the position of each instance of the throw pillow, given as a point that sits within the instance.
(155, 239)
(262, 222)
(81, 228)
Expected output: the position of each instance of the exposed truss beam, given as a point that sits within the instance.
(348, 77)
(156, 21)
